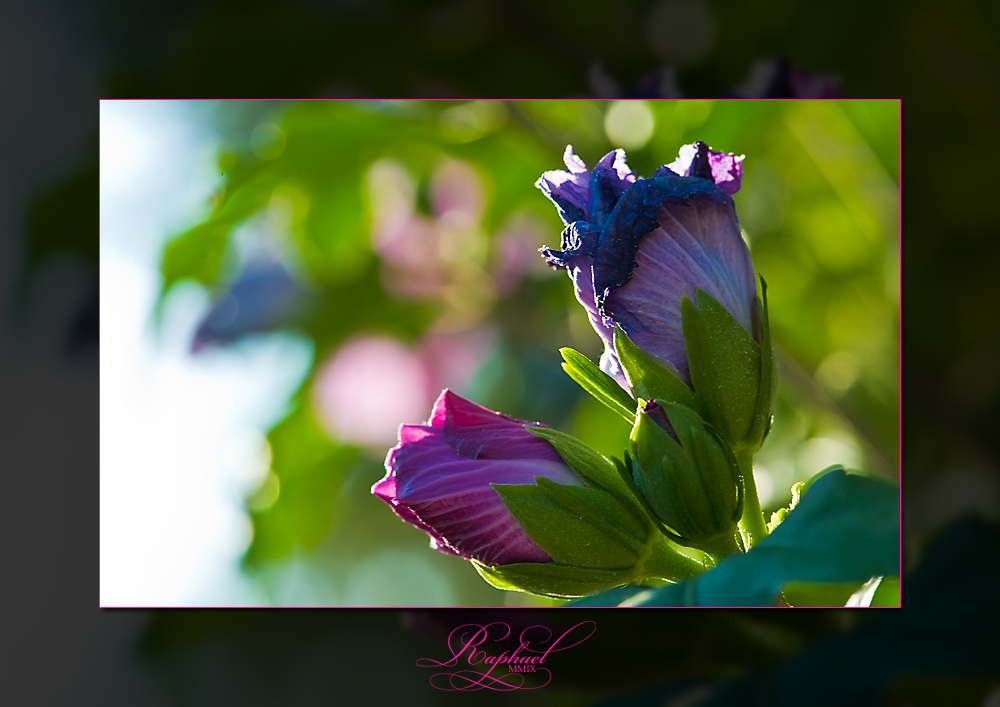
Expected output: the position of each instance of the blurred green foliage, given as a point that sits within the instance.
(820, 210)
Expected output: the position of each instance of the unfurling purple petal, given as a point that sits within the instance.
(583, 195)
(476, 432)
(696, 160)
(727, 171)
(657, 415)
(438, 478)
(569, 191)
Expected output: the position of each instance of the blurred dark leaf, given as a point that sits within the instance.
(940, 648)
(946, 628)
(64, 220)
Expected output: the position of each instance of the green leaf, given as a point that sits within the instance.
(553, 580)
(799, 489)
(845, 530)
(725, 365)
(563, 534)
(865, 593)
(650, 379)
(888, 593)
(819, 594)
(598, 383)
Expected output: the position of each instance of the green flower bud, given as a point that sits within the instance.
(688, 477)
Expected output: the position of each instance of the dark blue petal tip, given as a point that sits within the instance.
(578, 238)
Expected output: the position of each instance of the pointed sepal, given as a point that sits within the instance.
(768, 388)
(652, 378)
(553, 580)
(557, 526)
(594, 468)
(598, 383)
(725, 365)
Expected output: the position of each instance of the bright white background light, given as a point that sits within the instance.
(181, 442)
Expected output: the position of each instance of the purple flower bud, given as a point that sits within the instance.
(659, 240)
(438, 478)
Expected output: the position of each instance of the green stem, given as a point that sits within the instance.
(664, 561)
(752, 523)
(722, 548)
